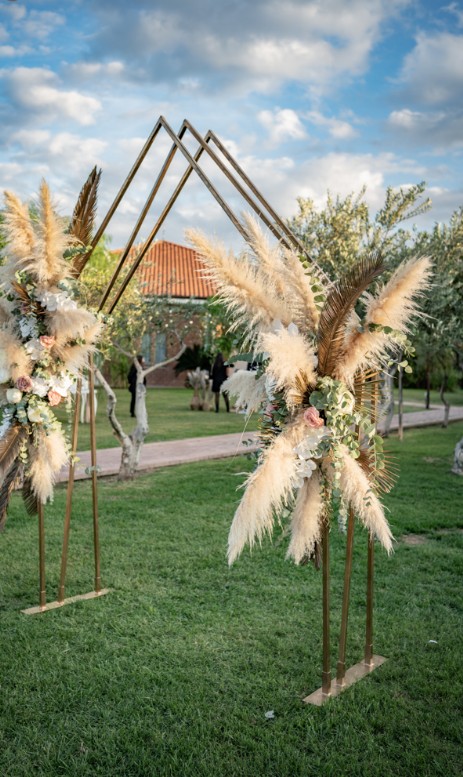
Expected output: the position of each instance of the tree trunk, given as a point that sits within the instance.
(428, 389)
(126, 469)
(442, 391)
(457, 468)
(401, 404)
(387, 390)
(133, 443)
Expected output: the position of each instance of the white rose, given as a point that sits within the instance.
(34, 414)
(62, 384)
(14, 395)
(35, 349)
(40, 387)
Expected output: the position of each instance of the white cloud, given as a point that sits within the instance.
(441, 131)
(92, 69)
(433, 71)
(281, 124)
(40, 24)
(337, 128)
(37, 90)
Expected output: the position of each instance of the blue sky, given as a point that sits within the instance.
(309, 96)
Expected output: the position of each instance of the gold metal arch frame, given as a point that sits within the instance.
(229, 167)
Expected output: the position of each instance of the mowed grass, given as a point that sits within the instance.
(169, 415)
(172, 673)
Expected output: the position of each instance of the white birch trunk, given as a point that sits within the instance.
(132, 444)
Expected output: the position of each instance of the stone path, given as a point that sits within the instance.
(166, 454)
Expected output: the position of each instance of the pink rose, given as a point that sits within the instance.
(24, 383)
(54, 398)
(47, 341)
(312, 418)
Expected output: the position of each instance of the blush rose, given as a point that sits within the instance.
(54, 398)
(24, 383)
(312, 418)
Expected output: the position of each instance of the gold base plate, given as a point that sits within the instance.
(69, 600)
(355, 673)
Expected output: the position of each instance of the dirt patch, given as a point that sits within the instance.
(414, 539)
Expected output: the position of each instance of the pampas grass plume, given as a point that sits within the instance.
(291, 358)
(46, 460)
(306, 521)
(267, 489)
(248, 390)
(356, 488)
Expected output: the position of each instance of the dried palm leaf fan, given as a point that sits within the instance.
(45, 338)
(319, 444)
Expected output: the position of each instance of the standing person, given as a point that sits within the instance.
(132, 379)
(218, 375)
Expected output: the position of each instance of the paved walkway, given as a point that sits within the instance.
(166, 454)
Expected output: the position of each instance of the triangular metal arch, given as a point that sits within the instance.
(251, 195)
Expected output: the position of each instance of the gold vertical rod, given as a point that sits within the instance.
(326, 673)
(341, 665)
(96, 538)
(42, 584)
(69, 492)
(371, 555)
(369, 614)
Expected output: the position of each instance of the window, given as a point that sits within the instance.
(161, 347)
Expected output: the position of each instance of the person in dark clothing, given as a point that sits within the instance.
(218, 375)
(132, 379)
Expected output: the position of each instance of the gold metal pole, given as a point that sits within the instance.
(42, 584)
(341, 665)
(70, 489)
(326, 673)
(369, 618)
(371, 555)
(96, 539)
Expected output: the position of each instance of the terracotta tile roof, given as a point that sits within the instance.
(175, 270)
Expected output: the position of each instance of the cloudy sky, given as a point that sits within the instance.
(308, 95)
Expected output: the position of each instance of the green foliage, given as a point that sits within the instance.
(193, 357)
(341, 233)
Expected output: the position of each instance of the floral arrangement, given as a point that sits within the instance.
(315, 389)
(45, 340)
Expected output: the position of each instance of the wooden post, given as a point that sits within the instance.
(69, 492)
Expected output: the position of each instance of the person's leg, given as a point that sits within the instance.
(216, 400)
(133, 395)
(227, 401)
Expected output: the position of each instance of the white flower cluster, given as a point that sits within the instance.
(58, 300)
(307, 453)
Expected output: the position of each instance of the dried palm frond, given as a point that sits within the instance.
(247, 388)
(267, 489)
(382, 478)
(10, 446)
(29, 498)
(9, 483)
(306, 522)
(83, 218)
(338, 308)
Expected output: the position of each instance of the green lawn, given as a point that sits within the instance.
(170, 418)
(172, 673)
